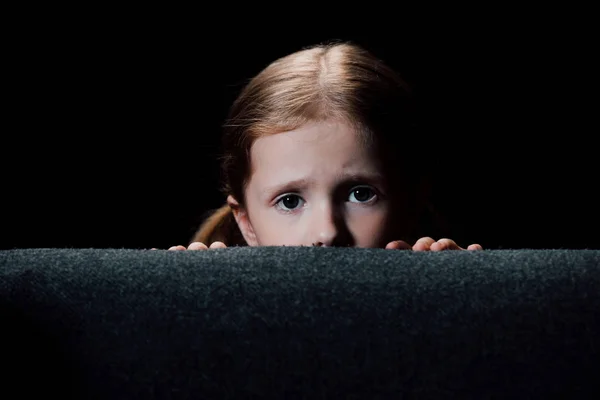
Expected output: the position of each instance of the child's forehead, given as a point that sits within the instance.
(314, 147)
(327, 135)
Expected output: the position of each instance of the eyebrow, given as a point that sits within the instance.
(375, 178)
(270, 191)
(346, 178)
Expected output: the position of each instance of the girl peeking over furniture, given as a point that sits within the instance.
(321, 149)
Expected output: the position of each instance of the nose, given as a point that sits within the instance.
(326, 227)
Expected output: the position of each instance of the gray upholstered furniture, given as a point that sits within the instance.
(299, 323)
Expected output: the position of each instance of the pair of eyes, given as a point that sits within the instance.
(359, 194)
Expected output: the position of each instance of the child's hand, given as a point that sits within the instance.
(428, 244)
(198, 246)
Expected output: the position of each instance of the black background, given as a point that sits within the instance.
(113, 117)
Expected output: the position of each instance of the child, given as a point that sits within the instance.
(320, 149)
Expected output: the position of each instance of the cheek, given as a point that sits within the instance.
(272, 229)
(369, 229)
(266, 229)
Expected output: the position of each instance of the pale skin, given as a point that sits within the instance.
(318, 186)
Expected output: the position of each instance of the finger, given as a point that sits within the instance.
(218, 245)
(445, 244)
(177, 248)
(398, 245)
(197, 246)
(423, 244)
(475, 247)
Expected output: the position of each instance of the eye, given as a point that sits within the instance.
(361, 194)
(289, 202)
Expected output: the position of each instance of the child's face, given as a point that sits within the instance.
(315, 184)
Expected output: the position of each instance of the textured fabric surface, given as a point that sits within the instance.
(300, 323)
